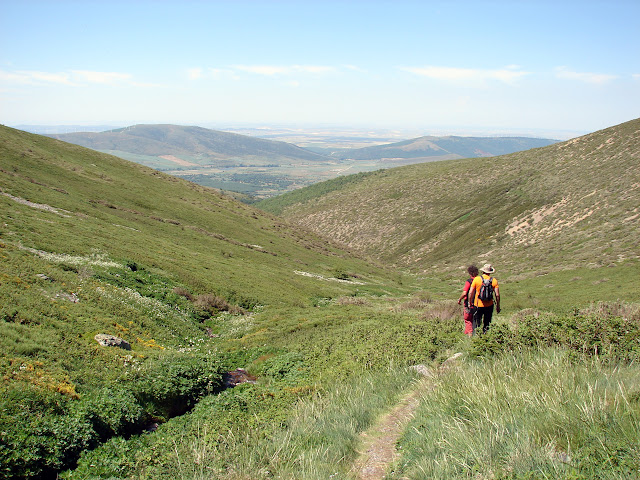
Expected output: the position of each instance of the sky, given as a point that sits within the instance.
(510, 66)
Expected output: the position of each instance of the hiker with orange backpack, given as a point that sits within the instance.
(468, 308)
(482, 292)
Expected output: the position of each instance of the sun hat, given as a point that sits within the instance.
(487, 268)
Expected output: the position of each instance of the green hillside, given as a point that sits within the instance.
(92, 244)
(554, 208)
(129, 212)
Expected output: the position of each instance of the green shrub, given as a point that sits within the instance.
(112, 411)
(289, 366)
(170, 384)
(37, 434)
(113, 459)
(43, 432)
(584, 333)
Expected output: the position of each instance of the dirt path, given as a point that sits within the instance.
(378, 448)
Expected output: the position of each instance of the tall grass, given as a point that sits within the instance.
(535, 415)
(317, 441)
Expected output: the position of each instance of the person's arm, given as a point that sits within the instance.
(497, 292)
(465, 292)
(462, 296)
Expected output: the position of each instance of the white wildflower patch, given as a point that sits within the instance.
(153, 307)
(327, 279)
(95, 259)
(235, 326)
(39, 206)
(194, 345)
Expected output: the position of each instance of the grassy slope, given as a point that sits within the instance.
(92, 244)
(570, 204)
(209, 241)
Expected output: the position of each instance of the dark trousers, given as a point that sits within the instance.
(482, 316)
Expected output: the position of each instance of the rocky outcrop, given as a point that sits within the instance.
(112, 341)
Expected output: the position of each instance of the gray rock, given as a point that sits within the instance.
(112, 341)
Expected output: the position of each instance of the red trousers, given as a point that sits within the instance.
(468, 321)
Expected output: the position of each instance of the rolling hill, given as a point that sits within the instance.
(195, 145)
(570, 204)
(262, 167)
(95, 248)
(431, 148)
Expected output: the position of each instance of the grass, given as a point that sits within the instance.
(535, 415)
(91, 244)
(131, 213)
(539, 402)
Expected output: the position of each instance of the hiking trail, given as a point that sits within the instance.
(378, 451)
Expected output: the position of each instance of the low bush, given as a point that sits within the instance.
(169, 385)
(43, 432)
(600, 331)
(111, 411)
(289, 366)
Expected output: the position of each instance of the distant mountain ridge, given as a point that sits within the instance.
(446, 148)
(158, 140)
(258, 167)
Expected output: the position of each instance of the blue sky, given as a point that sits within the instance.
(489, 65)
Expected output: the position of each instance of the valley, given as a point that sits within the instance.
(336, 299)
(269, 162)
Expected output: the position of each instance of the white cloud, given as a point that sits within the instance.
(273, 70)
(30, 77)
(194, 73)
(313, 68)
(199, 73)
(12, 77)
(596, 78)
(73, 78)
(636, 76)
(101, 77)
(507, 74)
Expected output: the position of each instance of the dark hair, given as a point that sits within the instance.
(473, 270)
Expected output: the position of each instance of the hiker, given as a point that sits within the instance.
(483, 290)
(468, 309)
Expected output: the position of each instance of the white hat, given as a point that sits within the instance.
(487, 268)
